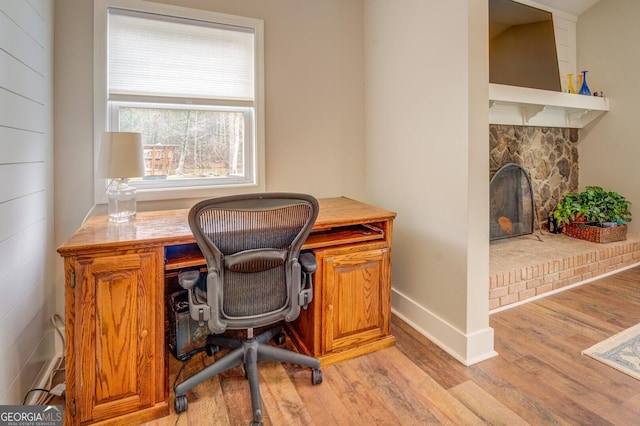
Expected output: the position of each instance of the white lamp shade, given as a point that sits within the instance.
(121, 155)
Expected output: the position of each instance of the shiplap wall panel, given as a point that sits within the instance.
(18, 79)
(21, 187)
(23, 32)
(15, 359)
(28, 303)
(565, 32)
(15, 251)
(19, 217)
(25, 259)
(28, 16)
(18, 146)
(26, 156)
(21, 113)
(22, 262)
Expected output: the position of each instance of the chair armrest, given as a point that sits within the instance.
(308, 262)
(188, 279)
(308, 265)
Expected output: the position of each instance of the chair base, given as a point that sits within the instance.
(247, 352)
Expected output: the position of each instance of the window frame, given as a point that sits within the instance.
(192, 183)
(104, 119)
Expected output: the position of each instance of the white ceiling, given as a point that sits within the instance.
(573, 7)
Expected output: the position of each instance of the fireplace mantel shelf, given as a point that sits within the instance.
(521, 106)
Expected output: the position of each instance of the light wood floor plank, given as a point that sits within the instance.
(325, 402)
(505, 381)
(366, 402)
(417, 392)
(280, 400)
(485, 406)
(381, 373)
(597, 407)
(538, 378)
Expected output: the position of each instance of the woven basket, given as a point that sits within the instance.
(595, 234)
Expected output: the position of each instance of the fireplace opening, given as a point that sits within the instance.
(511, 203)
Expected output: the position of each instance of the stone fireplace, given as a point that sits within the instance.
(549, 154)
(531, 266)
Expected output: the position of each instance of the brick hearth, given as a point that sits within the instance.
(529, 266)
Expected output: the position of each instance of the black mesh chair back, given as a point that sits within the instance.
(256, 276)
(251, 244)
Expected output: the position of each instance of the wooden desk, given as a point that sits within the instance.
(115, 274)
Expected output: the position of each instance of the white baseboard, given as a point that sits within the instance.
(42, 381)
(48, 367)
(469, 349)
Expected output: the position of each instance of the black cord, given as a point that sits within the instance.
(180, 371)
(24, 401)
(58, 322)
(184, 364)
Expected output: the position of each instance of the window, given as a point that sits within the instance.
(191, 82)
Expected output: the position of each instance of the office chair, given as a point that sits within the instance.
(257, 277)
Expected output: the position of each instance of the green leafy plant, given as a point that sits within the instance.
(596, 205)
(568, 209)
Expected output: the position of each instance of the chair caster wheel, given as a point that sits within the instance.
(316, 377)
(211, 350)
(180, 404)
(279, 339)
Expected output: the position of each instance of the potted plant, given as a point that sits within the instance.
(593, 207)
(568, 209)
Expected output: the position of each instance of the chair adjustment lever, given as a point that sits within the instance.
(305, 297)
(188, 278)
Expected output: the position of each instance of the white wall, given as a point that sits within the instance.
(314, 102)
(26, 204)
(427, 158)
(609, 148)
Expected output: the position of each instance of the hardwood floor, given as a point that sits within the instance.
(539, 377)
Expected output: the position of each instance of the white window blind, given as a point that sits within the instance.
(161, 56)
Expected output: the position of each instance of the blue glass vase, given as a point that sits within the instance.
(584, 89)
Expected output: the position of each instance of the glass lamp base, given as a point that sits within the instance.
(122, 201)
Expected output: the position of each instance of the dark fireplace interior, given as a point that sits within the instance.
(511, 203)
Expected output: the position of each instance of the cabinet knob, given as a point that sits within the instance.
(144, 334)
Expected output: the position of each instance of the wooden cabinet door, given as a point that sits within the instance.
(117, 322)
(356, 296)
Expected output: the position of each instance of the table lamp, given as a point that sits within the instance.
(121, 158)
